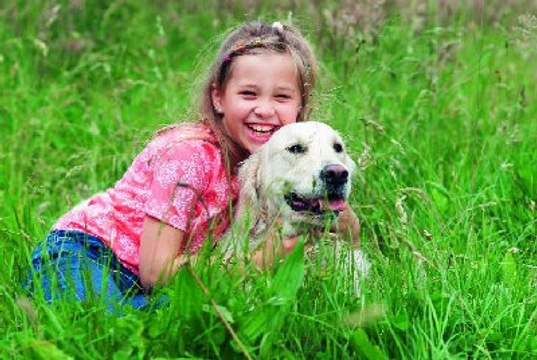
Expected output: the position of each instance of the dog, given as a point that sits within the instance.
(302, 177)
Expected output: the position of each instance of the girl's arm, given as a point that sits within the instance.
(159, 245)
(273, 248)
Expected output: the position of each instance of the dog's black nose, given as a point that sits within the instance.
(335, 174)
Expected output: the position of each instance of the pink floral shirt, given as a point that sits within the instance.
(179, 179)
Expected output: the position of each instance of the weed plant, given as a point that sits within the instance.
(442, 121)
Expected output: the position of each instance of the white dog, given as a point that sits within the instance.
(302, 176)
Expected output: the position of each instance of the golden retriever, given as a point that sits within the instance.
(301, 177)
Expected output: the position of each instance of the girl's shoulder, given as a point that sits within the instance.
(185, 134)
(189, 140)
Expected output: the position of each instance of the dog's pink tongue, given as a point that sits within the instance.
(334, 205)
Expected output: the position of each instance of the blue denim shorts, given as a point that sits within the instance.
(71, 264)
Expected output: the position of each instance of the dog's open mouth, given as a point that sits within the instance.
(314, 205)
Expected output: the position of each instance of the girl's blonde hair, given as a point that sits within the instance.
(253, 38)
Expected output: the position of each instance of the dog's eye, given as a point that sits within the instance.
(338, 147)
(297, 149)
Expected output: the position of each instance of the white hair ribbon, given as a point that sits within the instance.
(278, 26)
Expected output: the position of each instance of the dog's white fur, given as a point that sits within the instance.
(294, 161)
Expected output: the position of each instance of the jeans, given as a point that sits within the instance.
(72, 264)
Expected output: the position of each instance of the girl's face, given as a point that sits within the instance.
(261, 95)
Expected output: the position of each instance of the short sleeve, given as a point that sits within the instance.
(180, 176)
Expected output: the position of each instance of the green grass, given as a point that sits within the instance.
(442, 122)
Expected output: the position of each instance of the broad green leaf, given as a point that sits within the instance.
(290, 276)
(189, 296)
(47, 351)
(222, 310)
(269, 317)
(257, 322)
(365, 348)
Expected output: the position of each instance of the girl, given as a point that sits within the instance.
(180, 189)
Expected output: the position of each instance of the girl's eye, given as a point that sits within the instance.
(247, 93)
(283, 96)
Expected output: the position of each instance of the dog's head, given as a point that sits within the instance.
(302, 171)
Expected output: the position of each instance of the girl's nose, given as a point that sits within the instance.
(264, 109)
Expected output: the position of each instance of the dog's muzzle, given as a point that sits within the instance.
(334, 178)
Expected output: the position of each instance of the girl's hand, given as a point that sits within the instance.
(347, 224)
(274, 247)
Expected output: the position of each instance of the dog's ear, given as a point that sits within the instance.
(248, 211)
(249, 180)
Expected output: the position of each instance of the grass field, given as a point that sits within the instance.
(442, 121)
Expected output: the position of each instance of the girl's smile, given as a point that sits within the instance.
(260, 133)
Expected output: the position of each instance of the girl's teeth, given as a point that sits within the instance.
(260, 128)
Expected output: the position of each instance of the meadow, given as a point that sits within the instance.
(439, 109)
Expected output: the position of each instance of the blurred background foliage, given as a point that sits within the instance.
(70, 29)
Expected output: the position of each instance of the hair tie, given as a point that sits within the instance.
(278, 26)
